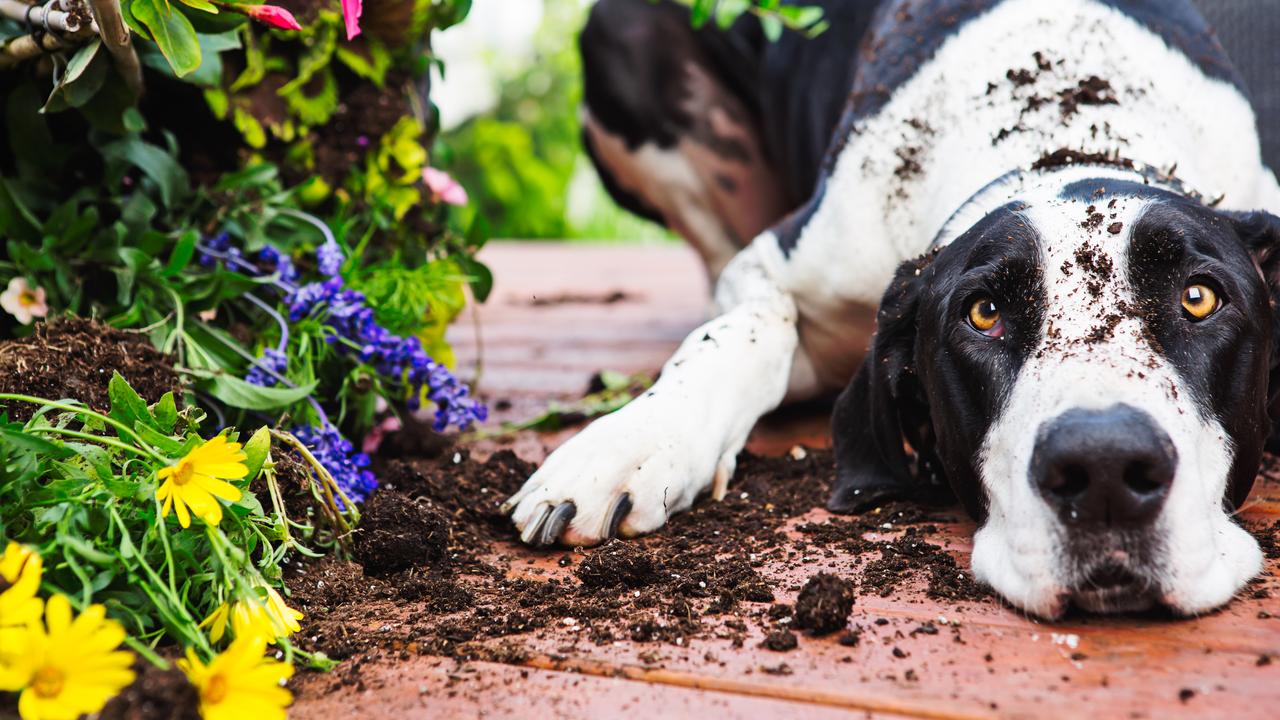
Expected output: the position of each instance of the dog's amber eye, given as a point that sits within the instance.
(1199, 300)
(984, 316)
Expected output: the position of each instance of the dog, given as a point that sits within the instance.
(1056, 217)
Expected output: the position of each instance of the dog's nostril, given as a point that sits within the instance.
(1142, 478)
(1110, 467)
(1073, 480)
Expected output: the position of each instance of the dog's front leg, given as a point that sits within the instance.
(629, 471)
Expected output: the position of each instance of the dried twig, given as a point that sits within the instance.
(27, 47)
(115, 36)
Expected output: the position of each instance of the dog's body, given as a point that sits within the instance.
(1034, 159)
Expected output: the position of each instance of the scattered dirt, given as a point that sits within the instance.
(609, 298)
(75, 359)
(780, 641)
(1092, 90)
(397, 533)
(824, 604)
(619, 563)
(155, 695)
(1269, 539)
(1063, 157)
(708, 574)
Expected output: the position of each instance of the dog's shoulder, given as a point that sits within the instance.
(906, 37)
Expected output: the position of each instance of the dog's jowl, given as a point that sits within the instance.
(1056, 217)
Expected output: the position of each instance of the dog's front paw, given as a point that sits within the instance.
(624, 475)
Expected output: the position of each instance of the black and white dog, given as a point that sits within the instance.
(1059, 209)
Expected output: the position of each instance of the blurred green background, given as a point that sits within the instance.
(509, 103)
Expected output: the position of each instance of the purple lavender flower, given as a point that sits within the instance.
(330, 258)
(275, 261)
(354, 331)
(403, 359)
(348, 467)
(219, 243)
(272, 361)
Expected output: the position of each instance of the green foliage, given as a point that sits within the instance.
(523, 164)
(774, 15)
(81, 487)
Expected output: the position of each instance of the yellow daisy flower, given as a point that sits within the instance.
(197, 481)
(271, 620)
(284, 618)
(69, 667)
(240, 683)
(20, 570)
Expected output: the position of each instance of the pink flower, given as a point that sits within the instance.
(444, 188)
(351, 10)
(22, 302)
(373, 440)
(273, 15)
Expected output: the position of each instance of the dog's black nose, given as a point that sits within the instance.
(1105, 468)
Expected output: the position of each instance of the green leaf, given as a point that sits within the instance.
(155, 163)
(164, 443)
(12, 434)
(256, 451)
(727, 11)
(201, 5)
(173, 34)
(182, 253)
(701, 12)
(249, 127)
(313, 109)
(133, 120)
(127, 405)
(166, 413)
(479, 277)
(239, 394)
(370, 61)
(772, 27)
(800, 16)
(80, 80)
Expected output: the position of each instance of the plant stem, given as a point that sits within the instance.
(119, 426)
(327, 484)
(146, 652)
(86, 436)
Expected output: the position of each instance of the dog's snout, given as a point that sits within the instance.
(1108, 468)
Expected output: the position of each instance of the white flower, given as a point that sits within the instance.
(23, 302)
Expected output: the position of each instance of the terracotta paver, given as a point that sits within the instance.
(976, 659)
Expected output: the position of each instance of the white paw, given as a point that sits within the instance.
(625, 474)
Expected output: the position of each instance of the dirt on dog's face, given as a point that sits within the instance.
(1089, 372)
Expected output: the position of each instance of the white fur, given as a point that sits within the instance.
(1169, 114)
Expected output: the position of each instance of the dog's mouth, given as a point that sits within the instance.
(1113, 587)
(1112, 580)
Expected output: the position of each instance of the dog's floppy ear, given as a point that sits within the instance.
(883, 408)
(1260, 232)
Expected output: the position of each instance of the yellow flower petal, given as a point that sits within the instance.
(184, 518)
(213, 486)
(239, 683)
(57, 614)
(70, 666)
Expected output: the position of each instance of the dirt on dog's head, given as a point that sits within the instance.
(1090, 369)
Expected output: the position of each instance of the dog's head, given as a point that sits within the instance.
(1091, 372)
